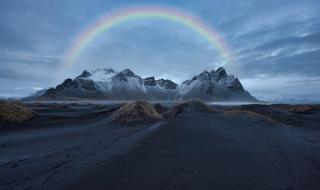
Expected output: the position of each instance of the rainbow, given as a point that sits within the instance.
(115, 18)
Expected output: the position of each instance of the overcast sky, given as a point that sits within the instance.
(276, 44)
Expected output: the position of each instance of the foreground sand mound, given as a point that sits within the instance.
(160, 108)
(291, 115)
(136, 112)
(14, 112)
(249, 113)
(300, 109)
(191, 106)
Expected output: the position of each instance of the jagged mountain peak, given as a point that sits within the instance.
(166, 83)
(127, 75)
(127, 72)
(84, 74)
(149, 78)
(98, 74)
(205, 75)
(101, 74)
(102, 71)
(105, 70)
(150, 81)
(221, 69)
(221, 72)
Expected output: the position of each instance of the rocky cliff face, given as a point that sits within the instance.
(126, 85)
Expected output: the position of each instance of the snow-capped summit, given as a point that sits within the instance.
(127, 75)
(220, 73)
(214, 85)
(127, 72)
(85, 74)
(98, 74)
(126, 85)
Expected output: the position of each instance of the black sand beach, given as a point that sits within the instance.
(231, 147)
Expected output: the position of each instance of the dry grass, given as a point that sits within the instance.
(160, 108)
(192, 105)
(300, 109)
(248, 113)
(136, 112)
(173, 112)
(14, 112)
(198, 105)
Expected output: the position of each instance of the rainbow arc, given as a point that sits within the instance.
(112, 19)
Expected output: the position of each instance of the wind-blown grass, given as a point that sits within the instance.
(14, 112)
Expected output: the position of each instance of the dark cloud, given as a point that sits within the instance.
(313, 39)
(11, 74)
(304, 63)
(304, 81)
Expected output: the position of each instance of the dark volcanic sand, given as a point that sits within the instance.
(78, 147)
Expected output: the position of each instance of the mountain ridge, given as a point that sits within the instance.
(108, 84)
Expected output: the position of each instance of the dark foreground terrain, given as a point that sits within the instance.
(192, 147)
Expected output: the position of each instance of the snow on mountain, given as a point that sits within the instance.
(110, 84)
(214, 85)
(98, 74)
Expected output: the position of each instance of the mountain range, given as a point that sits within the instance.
(108, 84)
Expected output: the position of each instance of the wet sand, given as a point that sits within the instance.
(79, 147)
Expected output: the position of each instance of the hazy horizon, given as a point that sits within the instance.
(276, 45)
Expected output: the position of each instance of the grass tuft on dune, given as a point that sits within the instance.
(192, 105)
(197, 105)
(136, 112)
(160, 108)
(300, 109)
(14, 112)
(248, 113)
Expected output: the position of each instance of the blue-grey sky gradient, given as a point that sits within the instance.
(276, 43)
